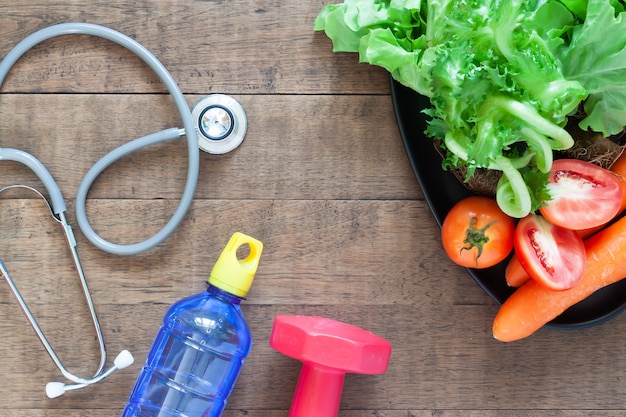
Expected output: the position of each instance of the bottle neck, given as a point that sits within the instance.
(224, 295)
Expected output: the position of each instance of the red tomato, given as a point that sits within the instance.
(476, 233)
(584, 195)
(552, 255)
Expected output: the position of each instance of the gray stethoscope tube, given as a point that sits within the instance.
(217, 113)
(185, 113)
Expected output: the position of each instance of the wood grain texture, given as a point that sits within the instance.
(246, 47)
(322, 179)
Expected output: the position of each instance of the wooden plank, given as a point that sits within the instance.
(233, 47)
(355, 413)
(317, 251)
(297, 147)
(435, 365)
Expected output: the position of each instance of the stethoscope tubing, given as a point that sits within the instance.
(105, 162)
(54, 193)
(189, 131)
(57, 203)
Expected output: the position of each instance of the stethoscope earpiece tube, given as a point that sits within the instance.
(56, 198)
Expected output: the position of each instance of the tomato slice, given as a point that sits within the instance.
(476, 233)
(552, 255)
(584, 195)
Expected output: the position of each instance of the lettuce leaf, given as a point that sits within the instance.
(596, 57)
(502, 76)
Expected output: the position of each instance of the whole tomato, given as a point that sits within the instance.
(476, 233)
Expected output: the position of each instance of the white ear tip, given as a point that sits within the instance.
(124, 359)
(55, 389)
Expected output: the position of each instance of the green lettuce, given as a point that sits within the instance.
(502, 76)
(595, 56)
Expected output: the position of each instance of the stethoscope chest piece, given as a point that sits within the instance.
(221, 123)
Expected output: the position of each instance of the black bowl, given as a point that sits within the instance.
(442, 190)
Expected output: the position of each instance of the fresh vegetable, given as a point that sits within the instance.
(584, 195)
(552, 255)
(591, 49)
(476, 233)
(532, 305)
(504, 79)
(515, 274)
(619, 165)
(502, 76)
(619, 169)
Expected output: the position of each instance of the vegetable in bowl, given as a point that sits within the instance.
(503, 77)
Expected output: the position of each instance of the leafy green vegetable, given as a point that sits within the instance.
(502, 76)
(595, 56)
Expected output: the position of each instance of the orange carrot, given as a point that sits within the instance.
(619, 165)
(532, 306)
(619, 168)
(515, 274)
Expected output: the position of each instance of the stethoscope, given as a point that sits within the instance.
(217, 124)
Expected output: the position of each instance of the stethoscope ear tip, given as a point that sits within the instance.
(55, 389)
(123, 359)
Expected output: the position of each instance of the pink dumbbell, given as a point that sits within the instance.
(328, 350)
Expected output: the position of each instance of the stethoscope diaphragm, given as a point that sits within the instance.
(221, 123)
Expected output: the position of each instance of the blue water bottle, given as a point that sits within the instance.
(199, 350)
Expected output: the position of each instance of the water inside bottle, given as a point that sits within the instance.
(193, 363)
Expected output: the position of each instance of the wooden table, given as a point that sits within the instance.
(322, 179)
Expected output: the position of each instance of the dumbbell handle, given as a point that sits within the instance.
(318, 392)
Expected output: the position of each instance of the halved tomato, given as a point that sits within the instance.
(552, 255)
(584, 195)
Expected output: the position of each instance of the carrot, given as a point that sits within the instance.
(532, 306)
(619, 165)
(619, 168)
(515, 274)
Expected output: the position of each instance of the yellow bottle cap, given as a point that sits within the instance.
(235, 275)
